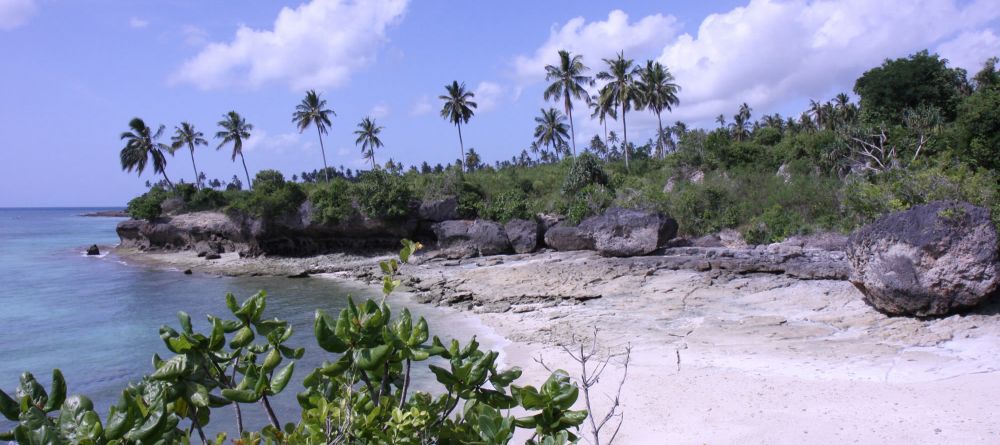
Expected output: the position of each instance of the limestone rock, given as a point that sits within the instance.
(930, 260)
(440, 210)
(563, 237)
(624, 232)
(522, 234)
(466, 238)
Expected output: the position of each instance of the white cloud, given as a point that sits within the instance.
(379, 111)
(422, 107)
(597, 40)
(316, 45)
(14, 13)
(488, 95)
(137, 23)
(970, 49)
(261, 141)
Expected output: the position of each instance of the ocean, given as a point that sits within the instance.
(97, 318)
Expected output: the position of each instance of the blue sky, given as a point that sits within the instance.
(74, 72)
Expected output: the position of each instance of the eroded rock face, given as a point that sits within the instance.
(564, 237)
(440, 210)
(930, 260)
(623, 232)
(466, 238)
(182, 231)
(522, 234)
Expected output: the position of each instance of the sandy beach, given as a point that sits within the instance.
(717, 357)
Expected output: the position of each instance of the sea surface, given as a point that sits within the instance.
(97, 318)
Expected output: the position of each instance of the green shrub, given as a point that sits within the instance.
(271, 196)
(207, 199)
(362, 395)
(586, 170)
(775, 224)
(505, 206)
(332, 201)
(383, 195)
(589, 201)
(147, 205)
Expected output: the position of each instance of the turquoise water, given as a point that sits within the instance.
(97, 318)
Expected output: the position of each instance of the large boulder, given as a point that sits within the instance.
(523, 235)
(93, 250)
(441, 210)
(563, 237)
(624, 232)
(930, 260)
(467, 238)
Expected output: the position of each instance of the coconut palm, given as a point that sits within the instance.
(602, 109)
(621, 90)
(551, 129)
(312, 111)
(235, 130)
(368, 138)
(741, 122)
(659, 92)
(457, 109)
(568, 82)
(186, 135)
(140, 146)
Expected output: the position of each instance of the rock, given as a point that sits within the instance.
(441, 210)
(187, 272)
(820, 241)
(930, 260)
(624, 232)
(466, 238)
(303, 274)
(784, 173)
(692, 177)
(212, 256)
(522, 234)
(732, 239)
(203, 248)
(547, 220)
(93, 250)
(564, 237)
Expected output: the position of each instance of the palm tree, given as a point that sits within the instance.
(551, 129)
(621, 89)
(368, 133)
(457, 109)
(568, 81)
(721, 120)
(741, 122)
(602, 109)
(140, 145)
(818, 113)
(312, 111)
(659, 92)
(185, 134)
(235, 129)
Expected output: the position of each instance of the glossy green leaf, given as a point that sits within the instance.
(281, 379)
(30, 389)
(57, 392)
(185, 321)
(272, 360)
(174, 368)
(371, 358)
(8, 407)
(243, 337)
(326, 336)
(240, 395)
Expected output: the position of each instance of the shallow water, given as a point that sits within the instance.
(97, 318)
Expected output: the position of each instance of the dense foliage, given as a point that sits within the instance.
(362, 395)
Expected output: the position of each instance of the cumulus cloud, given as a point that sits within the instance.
(315, 45)
(137, 23)
(488, 95)
(14, 13)
(422, 107)
(769, 53)
(262, 141)
(970, 49)
(597, 40)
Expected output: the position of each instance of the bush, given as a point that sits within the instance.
(147, 205)
(332, 201)
(775, 224)
(207, 199)
(586, 170)
(505, 206)
(383, 195)
(589, 201)
(271, 196)
(361, 396)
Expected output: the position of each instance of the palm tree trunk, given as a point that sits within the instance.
(605, 122)
(572, 130)
(461, 146)
(249, 182)
(659, 136)
(165, 178)
(197, 177)
(373, 159)
(326, 170)
(625, 137)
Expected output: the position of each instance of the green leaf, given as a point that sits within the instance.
(328, 338)
(243, 337)
(281, 379)
(528, 397)
(385, 267)
(156, 420)
(504, 379)
(30, 389)
(272, 360)
(231, 303)
(185, 320)
(371, 358)
(8, 407)
(240, 395)
(295, 354)
(443, 376)
(218, 338)
(58, 394)
(197, 394)
(336, 368)
(176, 367)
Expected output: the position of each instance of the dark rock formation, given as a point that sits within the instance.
(440, 210)
(563, 237)
(523, 235)
(930, 260)
(465, 238)
(93, 250)
(212, 256)
(183, 232)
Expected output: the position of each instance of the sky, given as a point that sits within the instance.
(74, 72)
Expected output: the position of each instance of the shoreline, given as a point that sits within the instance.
(718, 357)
